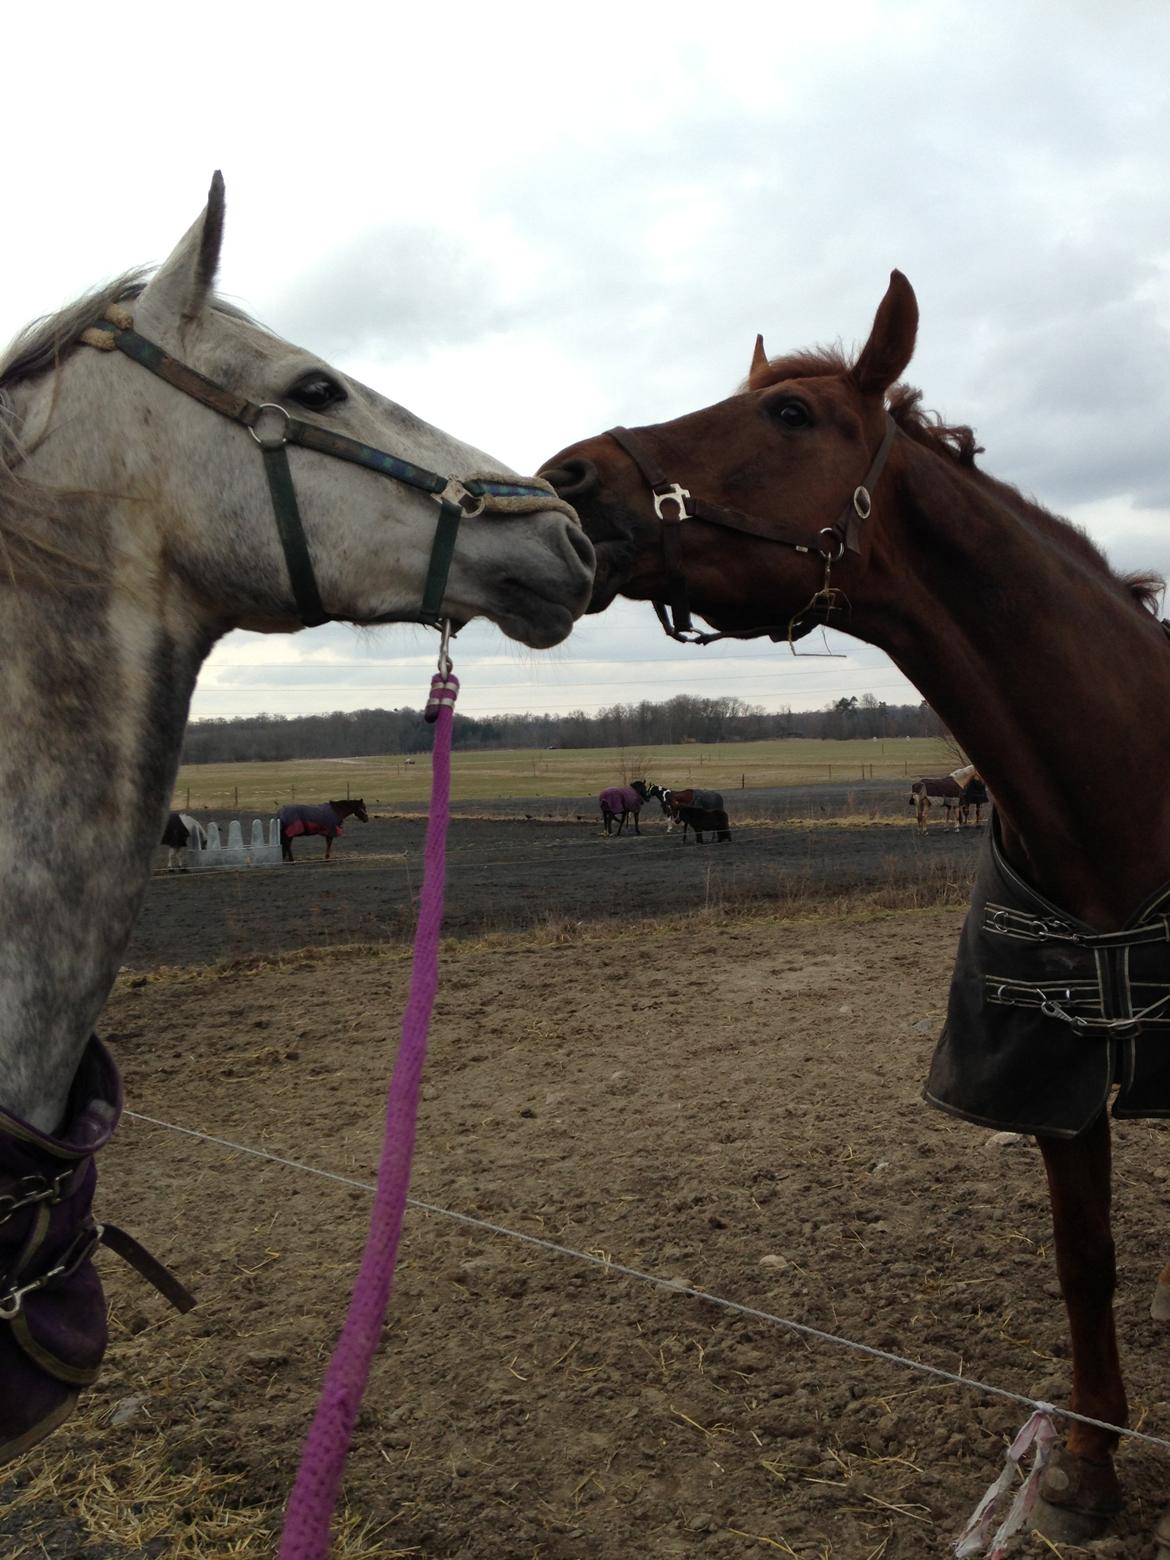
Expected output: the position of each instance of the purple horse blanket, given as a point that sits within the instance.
(309, 818)
(619, 799)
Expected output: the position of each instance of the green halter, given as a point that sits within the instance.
(274, 430)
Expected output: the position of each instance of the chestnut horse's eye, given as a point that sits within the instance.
(317, 392)
(792, 414)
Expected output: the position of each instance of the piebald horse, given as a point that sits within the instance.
(178, 832)
(169, 470)
(821, 492)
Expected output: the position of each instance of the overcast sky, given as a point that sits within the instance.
(528, 222)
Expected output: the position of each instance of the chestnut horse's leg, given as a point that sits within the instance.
(1079, 1489)
(1160, 1304)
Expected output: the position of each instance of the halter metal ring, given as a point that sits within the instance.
(274, 441)
(674, 494)
(833, 557)
(862, 502)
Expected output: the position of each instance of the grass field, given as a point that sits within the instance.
(569, 772)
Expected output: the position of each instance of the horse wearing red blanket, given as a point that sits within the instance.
(316, 818)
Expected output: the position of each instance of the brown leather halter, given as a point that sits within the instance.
(830, 542)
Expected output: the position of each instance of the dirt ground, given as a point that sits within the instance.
(733, 1102)
(551, 865)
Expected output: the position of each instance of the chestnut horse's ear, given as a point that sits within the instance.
(891, 341)
(759, 358)
(179, 288)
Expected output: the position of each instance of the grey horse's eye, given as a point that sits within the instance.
(317, 392)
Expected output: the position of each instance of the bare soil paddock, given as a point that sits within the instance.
(733, 1101)
(541, 862)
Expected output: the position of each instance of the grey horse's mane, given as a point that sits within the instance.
(37, 537)
(41, 345)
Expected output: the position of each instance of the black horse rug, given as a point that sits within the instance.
(1047, 1014)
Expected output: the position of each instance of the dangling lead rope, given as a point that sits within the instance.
(314, 1493)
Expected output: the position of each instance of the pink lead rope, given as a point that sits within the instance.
(314, 1493)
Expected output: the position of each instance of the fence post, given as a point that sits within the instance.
(236, 791)
(188, 798)
(742, 782)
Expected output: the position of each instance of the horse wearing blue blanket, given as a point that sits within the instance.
(316, 818)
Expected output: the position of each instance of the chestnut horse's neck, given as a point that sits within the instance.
(1040, 662)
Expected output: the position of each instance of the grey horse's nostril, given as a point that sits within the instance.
(573, 479)
(583, 547)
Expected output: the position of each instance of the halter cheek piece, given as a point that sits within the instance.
(274, 430)
(673, 504)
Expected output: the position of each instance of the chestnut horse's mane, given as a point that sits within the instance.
(957, 443)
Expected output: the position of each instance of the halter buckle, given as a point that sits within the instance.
(674, 494)
(277, 439)
(862, 503)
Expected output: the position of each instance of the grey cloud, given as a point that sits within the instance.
(393, 291)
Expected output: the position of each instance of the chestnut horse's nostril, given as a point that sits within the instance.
(573, 479)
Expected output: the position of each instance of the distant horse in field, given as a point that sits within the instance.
(822, 492)
(169, 471)
(958, 792)
(316, 818)
(929, 789)
(975, 798)
(619, 803)
(180, 827)
(699, 810)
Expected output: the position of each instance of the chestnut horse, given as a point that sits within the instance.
(822, 492)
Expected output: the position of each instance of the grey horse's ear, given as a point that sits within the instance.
(179, 288)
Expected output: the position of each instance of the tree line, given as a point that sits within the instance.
(684, 718)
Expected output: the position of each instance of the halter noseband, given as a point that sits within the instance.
(673, 504)
(274, 430)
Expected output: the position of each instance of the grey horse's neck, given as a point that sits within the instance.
(95, 685)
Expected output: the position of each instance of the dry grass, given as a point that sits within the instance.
(938, 887)
(508, 774)
(87, 1492)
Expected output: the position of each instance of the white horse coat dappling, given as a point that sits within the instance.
(136, 528)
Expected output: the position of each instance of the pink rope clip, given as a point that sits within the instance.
(444, 692)
(314, 1493)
